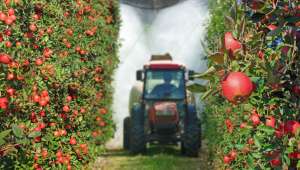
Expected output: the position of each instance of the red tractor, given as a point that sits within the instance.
(162, 110)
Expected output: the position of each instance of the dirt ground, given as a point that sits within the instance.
(156, 158)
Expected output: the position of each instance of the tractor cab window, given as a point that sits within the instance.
(165, 85)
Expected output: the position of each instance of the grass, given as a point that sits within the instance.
(157, 158)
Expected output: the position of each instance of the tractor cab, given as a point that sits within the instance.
(163, 111)
(164, 94)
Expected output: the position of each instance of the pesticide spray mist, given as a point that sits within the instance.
(178, 30)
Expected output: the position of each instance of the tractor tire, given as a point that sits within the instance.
(191, 136)
(137, 134)
(182, 149)
(126, 133)
(200, 134)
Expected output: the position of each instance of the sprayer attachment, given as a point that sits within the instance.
(150, 4)
(166, 56)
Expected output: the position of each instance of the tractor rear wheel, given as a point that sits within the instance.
(126, 133)
(191, 136)
(182, 150)
(137, 134)
(200, 134)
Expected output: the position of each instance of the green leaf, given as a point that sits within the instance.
(256, 155)
(267, 129)
(287, 159)
(239, 146)
(292, 19)
(229, 20)
(3, 134)
(257, 142)
(256, 17)
(268, 148)
(256, 79)
(206, 94)
(247, 107)
(208, 74)
(250, 161)
(18, 132)
(233, 11)
(34, 134)
(23, 141)
(2, 142)
(197, 88)
(217, 58)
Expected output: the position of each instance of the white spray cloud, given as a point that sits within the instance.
(178, 29)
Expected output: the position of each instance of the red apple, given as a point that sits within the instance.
(227, 159)
(69, 98)
(42, 113)
(42, 125)
(10, 91)
(296, 90)
(237, 87)
(294, 155)
(250, 141)
(44, 153)
(44, 93)
(285, 50)
(270, 121)
(243, 125)
(279, 132)
(2, 16)
(66, 109)
(229, 125)
(63, 132)
(256, 4)
(73, 141)
(5, 59)
(261, 54)
(36, 98)
(291, 127)
(233, 154)
(43, 102)
(38, 61)
(272, 27)
(231, 44)
(8, 21)
(10, 76)
(56, 133)
(59, 153)
(11, 11)
(47, 52)
(102, 111)
(32, 27)
(3, 103)
(255, 119)
(275, 162)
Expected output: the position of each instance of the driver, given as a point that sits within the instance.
(165, 88)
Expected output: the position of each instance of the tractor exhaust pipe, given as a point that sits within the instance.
(150, 4)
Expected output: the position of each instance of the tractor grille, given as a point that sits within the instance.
(166, 109)
(164, 114)
(166, 119)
